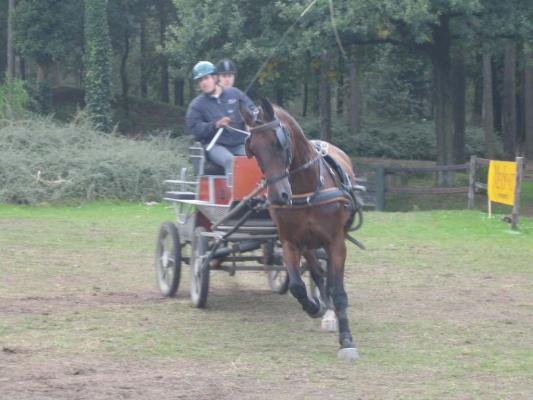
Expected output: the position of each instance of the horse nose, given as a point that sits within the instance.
(280, 198)
(285, 198)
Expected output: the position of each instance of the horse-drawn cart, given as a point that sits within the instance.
(312, 199)
(221, 225)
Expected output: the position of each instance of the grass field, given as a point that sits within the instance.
(441, 306)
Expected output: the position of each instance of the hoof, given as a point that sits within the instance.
(348, 353)
(321, 309)
(329, 321)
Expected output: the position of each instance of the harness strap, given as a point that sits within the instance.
(321, 197)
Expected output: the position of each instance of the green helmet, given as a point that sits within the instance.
(202, 69)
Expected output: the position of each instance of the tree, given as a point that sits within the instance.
(354, 113)
(127, 16)
(528, 101)
(488, 107)
(509, 101)
(9, 48)
(48, 31)
(163, 10)
(325, 97)
(98, 61)
(459, 103)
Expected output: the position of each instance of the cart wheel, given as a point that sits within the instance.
(277, 280)
(168, 259)
(199, 278)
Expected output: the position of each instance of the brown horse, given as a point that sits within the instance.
(312, 206)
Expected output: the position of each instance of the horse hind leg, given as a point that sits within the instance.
(318, 272)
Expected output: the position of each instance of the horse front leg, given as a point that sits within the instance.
(291, 257)
(335, 282)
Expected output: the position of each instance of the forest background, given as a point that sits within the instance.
(412, 79)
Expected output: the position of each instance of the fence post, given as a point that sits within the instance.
(472, 182)
(516, 207)
(380, 188)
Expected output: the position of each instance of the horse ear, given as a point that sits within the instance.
(247, 115)
(268, 110)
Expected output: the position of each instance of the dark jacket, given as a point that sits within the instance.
(205, 110)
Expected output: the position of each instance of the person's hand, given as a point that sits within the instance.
(223, 122)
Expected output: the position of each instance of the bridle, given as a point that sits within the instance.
(283, 141)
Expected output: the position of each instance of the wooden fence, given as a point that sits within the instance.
(383, 183)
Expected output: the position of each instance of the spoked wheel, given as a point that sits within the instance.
(199, 275)
(277, 280)
(168, 259)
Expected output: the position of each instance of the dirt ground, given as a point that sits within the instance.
(81, 318)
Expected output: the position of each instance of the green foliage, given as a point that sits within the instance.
(98, 56)
(397, 140)
(41, 97)
(13, 100)
(48, 30)
(44, 162)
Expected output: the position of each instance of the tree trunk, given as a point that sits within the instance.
(179, 92)
(325, 98)
(163, 91)
(509, 102)
(307, 75)
(340, 85)
(477, 106)
(42, 73)
(315, 91)
(57, 80)
(528, 102)
(142, 44)
(11, 73)
(354, 113)
(124, 72)
(440, 58)
(458, 92)
(488, 108)
(192, 90)
(442, 87)
(305, 99)
(22, 68)
(497, 97)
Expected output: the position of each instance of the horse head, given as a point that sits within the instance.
(270, 143)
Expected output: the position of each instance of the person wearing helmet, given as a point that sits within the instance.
(215, 108)
(226, 70)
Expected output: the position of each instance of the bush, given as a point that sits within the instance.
(13, 100)
(41, 161)
(403, 140)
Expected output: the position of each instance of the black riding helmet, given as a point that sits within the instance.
(226, 66)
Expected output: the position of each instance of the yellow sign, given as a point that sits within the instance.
(502, 182)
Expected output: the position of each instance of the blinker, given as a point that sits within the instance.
(282, 137)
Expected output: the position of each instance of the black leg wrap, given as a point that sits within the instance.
(340, 300)
(308, 306)
(345, 337)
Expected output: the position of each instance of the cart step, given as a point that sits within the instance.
(180, 195)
